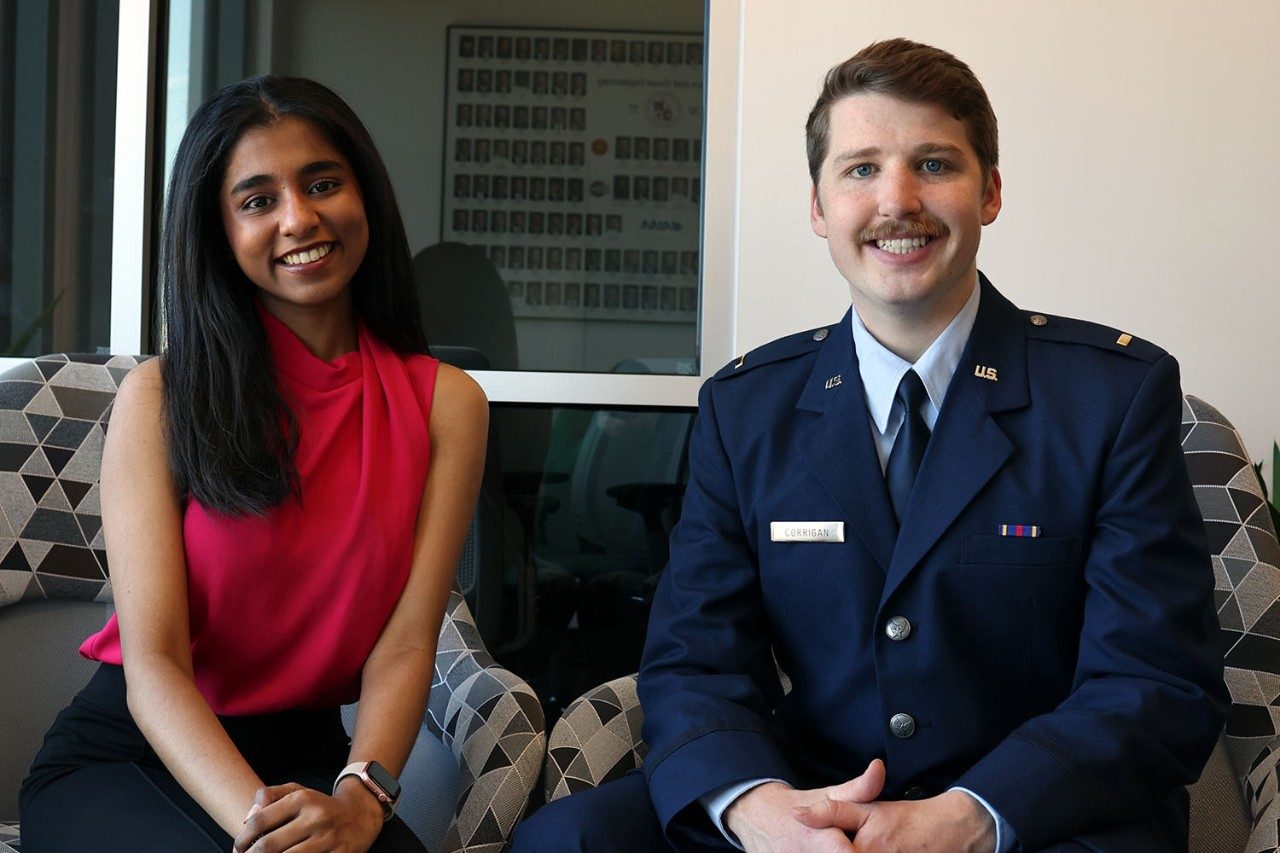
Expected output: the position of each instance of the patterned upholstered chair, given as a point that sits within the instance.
(1235, 804)
(483, 724)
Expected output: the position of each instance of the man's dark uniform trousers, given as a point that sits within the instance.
(1072, 679)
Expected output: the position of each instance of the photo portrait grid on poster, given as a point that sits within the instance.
(573, 159)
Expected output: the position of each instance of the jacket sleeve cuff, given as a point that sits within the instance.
(718, 801)
(1052, 808)
(708, 763)
(1006, 838)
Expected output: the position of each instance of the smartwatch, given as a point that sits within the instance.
(379, 782)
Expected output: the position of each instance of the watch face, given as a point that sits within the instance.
(385, 780)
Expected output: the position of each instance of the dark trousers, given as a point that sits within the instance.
(616, 817)
(96, 784)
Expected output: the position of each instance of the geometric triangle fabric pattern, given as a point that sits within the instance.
(596, 740)
(1264, 802)
(1246, 568)
(492, 721)
(53, 421)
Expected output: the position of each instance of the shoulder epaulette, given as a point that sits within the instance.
(1049, 327)
(775, 351)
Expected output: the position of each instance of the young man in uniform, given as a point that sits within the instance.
(963, 531)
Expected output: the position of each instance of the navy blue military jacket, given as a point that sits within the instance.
(1073, 679)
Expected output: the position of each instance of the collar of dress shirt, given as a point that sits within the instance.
(881, 370)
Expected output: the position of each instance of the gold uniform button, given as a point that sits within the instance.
(1039, 320)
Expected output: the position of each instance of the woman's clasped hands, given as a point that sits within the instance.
(297, 819)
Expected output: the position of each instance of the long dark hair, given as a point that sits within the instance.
(232, 435)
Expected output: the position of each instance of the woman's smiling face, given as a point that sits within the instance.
(294, 215)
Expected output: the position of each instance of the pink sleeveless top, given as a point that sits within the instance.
(285, 608)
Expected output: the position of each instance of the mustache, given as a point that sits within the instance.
(905, 228)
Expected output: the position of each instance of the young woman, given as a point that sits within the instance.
(285, 493)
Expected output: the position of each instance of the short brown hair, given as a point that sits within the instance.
(913, 72)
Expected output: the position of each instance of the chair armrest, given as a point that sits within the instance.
(492, 721)
(8, 837)
(596, 740)
(1246, 566)
(1260, 793)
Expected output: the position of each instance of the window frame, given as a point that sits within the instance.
(137, 106)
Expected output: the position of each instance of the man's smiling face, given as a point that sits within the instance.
(901, 201)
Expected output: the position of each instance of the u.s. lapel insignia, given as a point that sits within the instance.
(986, 373)
(834, 381)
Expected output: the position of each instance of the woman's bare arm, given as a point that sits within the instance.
(396, 677)
(142, 522)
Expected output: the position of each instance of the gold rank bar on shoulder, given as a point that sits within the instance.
(1124, 339)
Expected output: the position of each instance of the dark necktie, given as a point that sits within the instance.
(908, 447)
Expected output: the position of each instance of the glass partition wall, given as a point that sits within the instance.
(549, 164)
(547, 158)
(57, 129)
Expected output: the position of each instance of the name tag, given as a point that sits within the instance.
(806, 531)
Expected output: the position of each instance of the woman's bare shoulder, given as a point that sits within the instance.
(141, 393)
(144, 379)
(459, 405)
(136, 471)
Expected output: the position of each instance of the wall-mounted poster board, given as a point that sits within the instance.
(573, 158)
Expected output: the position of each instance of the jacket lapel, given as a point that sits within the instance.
(967, 447)
(834, 437)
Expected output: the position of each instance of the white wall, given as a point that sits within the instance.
(1139, 144)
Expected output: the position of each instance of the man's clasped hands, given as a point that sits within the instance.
(776, 817)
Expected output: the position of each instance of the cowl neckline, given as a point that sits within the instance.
(299, 365)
